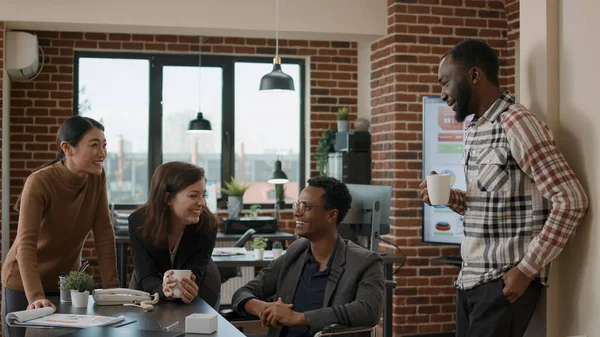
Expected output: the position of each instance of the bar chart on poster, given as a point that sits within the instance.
(443, 144)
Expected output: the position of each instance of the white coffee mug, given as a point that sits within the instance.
(179, 274)
(438, 187)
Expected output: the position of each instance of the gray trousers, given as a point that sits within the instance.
(12, 300)
(484, 311)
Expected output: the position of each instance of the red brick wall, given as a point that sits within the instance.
(512, 16)
(404, 69)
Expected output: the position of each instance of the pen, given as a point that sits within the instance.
(124, 324)
(171, 326)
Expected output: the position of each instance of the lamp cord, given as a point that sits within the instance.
(199, 73)
(398, 248)
(276, 29)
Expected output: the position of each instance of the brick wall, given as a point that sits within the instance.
(38, 107)
(404, 69)
(512, 16)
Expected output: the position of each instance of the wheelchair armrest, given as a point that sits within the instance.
(336, 328)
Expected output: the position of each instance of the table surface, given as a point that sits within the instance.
(164, 314)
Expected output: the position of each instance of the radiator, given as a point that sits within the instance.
(229, 287)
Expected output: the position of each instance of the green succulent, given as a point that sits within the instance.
(79, 281)
(259, 243)
(235, 188)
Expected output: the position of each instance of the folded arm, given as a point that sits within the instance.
(149, 275)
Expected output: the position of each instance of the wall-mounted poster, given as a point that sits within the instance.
(443, 144)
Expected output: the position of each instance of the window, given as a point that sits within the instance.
(267, 127)
(181, 96)
(115, 93)
(147, 101)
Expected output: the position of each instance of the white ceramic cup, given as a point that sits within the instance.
(179, 274)
(438, 187)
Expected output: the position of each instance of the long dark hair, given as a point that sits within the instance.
(71, 131)
(171, 178)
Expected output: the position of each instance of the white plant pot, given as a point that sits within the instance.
(80, 299)
(234, 206)
(342, 126)
(259, 254)
(277, 252)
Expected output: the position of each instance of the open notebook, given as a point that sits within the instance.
(47, 317)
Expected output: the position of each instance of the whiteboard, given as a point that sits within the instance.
(443, 144)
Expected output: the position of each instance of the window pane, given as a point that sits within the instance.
(267, 127)
(181, 96)
(116, 93)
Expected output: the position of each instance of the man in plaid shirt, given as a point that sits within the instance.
(522, 202)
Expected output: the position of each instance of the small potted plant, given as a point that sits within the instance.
(259, 244)
(79, 284)
(277, 250)
(342, 119)
(254, 211)
(235, 190)
(325, 145)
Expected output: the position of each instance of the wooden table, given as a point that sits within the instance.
(164, 314)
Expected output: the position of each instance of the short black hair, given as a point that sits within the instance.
(336, 195)
(476, 53)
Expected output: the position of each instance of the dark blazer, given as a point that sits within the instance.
(353, 294)
(194, 253)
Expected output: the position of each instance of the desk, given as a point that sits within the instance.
(122, 242)
(165, 313)
(388, 261)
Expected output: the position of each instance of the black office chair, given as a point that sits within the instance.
(229, 272)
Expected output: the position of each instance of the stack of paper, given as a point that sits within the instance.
(47, 317)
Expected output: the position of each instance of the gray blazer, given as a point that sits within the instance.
(353, 294)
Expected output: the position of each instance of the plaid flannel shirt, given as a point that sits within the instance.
(522, 201)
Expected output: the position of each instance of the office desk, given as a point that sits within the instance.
(388, 261)
(122, 242)
(164, 313)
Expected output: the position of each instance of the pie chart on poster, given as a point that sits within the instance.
(452, 176)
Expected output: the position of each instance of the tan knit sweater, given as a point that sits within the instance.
(58, 210)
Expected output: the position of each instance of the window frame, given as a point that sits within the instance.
(227, 63)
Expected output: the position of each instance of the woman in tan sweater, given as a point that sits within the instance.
(59, 205)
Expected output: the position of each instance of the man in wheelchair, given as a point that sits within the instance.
(321, 279)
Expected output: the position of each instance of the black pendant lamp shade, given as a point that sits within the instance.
(200, 124)
(276, 79)
(278, 176)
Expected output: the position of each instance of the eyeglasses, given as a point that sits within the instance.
(300, 207)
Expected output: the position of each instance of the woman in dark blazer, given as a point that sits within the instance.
(175, 230)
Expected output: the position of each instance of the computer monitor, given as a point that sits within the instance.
(369, 215)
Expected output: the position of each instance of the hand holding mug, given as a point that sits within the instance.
(435, 189)
(188, 289)
(169, 283)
